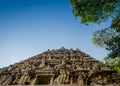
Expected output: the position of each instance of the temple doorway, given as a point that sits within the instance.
(43, 80)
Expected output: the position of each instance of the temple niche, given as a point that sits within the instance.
(59, 67)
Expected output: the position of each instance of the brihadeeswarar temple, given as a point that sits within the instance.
(59, 67)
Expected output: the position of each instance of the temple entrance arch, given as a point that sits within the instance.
(43, 80)
(43, 77)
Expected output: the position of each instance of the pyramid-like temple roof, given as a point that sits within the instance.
(60, 66)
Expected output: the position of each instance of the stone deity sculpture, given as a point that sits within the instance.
(61, 78)
(80, 80)
(25, 78)
(42, 65)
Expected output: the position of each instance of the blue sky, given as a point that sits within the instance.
(29, 27)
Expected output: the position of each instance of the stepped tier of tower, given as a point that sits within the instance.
(60, 66)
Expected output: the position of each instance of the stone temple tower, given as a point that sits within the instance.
(59, 67)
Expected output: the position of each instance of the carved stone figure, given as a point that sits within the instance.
(79, 67)
(8, 81)
(3, 78)
(17, 78)
(48, 67)
(61, 78)
(49, 57)
(42, 65)
(71, 80)
(80, 79)
(25, 78)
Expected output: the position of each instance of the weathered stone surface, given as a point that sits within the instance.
(61, 66)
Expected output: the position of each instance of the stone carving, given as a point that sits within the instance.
(3, 78)
(42, 65)
(17, 78)
(60, 66)
(48, 67)
(25, 78)
(8, 81)
(61, 78)
(49, 57)
(79, 67)
(80, 79)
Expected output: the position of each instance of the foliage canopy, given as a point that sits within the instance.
(97, 11)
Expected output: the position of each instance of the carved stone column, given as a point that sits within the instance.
(71, 80)
(51, 81)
